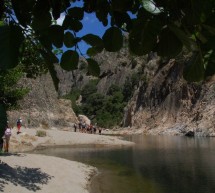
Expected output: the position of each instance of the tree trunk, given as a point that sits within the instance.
(3, 119)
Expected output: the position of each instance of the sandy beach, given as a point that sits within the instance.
(22, 172)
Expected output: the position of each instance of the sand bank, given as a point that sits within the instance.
(25, 173)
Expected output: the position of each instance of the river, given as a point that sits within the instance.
(156, 164)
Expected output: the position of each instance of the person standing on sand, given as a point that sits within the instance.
(100, 130)
(19, 124)
(7, 135)
(75, 127)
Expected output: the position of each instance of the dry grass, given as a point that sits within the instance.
(41, 133)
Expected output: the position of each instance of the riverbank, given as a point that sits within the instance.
(26, 173)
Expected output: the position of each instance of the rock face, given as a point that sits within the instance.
(42, 108)
(163, 102)
(167, 104)
(114, 69)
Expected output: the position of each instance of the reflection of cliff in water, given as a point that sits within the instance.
(177, 164)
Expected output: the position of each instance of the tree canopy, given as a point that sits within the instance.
(162, 26)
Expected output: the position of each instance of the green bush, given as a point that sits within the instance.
(89, 89)
(105, 110)
(10, 92)
(73, 95)
(41, 133)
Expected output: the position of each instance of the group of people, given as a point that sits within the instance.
(4, 143)
(86, 128)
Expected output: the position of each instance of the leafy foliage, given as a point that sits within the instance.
(73, 96)
(105, 110)
(10, 93)
(89, 89)
(161, 26)
(11, 38)
(31, 61)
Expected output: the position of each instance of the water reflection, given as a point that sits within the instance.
(154, 165)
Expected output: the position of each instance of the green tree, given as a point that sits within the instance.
(32, 61)
(113, 88)
(10, 92)
(89, 89)
(93, 104)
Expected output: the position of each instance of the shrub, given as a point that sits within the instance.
(89, 89)
(45, 125)
(41, 133)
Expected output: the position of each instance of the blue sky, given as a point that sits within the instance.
(90, 25)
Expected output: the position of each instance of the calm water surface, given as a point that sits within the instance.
(155, 165)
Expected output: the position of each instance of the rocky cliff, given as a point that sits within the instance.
(41, 107)
(115, 67)
(167, 104)
(163, 102)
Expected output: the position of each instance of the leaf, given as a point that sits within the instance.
(69, 40)
(122, 19)
(41, 8)
(23, 11)
(113, 39)
(95, 41)
(184, 38)
(210, 68)
(56, 35)
(56, 8)
(149, 6)
(194, 70)
(169, 45)
(103, 15)
(92, 51)
(46, 42)
(72, 24)
(122, 5)
(50, 65)
(210, 29)
(143, 37)
(92, 39)
(93, 67)
(11, 38)
(69, 60)
(41, 22)
(76, 13)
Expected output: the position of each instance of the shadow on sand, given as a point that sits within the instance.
(30, 178)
